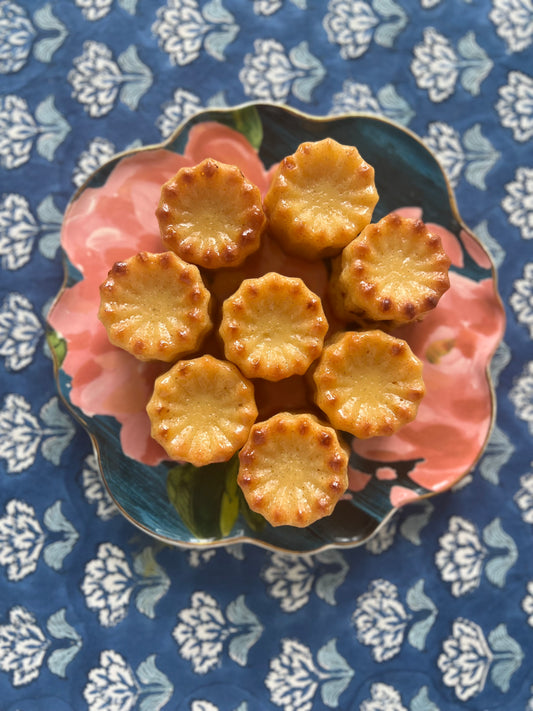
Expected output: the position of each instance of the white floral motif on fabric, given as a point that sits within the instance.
(522, 395)
(513, 20)
(23, 646)
(21, 539)
(461, 555)
(518, 203)
(383, 698)
(381, 620)
(522, 298)
(16, 37)
(524, 497)
(515, 105)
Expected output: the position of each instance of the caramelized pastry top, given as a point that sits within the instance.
(155, 306)
(368, 383)
(201, 410)
(273, 327)
(293, 469)
(320, 198)
(211, 215)
(396, 270)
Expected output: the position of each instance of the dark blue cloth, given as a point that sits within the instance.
(436, 612)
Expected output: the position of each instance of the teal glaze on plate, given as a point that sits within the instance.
(407, 174)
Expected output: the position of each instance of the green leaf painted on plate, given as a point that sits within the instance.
(58, 346)
(248, 122)
(230, 504)
(196, 493)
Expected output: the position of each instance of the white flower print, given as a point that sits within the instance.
(16, 37)
(109, 584)
(294, 678)
(383, 698)
(473, 153)
(513, 20)
(445, 142)
(21, 539)
(290, 579)
(112, 685)
(435, 65)
(356, 97)
(21, 435)
(115, 686)
(350, 25)
(94, 9)
(270, 74)
(515, 106)
(522, 298)
(98, 152)
(461, 555)
(353, 25)
(95, 491)
(527, 603)
(183, 105)
(183, 30)
(465, 659)
(202, 631)
(524, 497)
(23, 646)
(97, 79)
(18, 230)
(518, 203)
(20, 331)
(381, 620)
(17, 131)
(384, 538)
(269, 7)
(522, 395)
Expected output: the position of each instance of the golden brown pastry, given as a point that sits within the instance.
(211, 215)
(273, 327)
(320, 198)
(368, 383)
(293, 469)
(201, 410)
(395, 271)
(155, 306)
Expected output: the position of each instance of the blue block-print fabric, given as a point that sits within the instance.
(433, 614)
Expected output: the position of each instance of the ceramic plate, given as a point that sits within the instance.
(112, 217)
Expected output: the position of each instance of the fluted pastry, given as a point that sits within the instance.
(293, 469)
(273, 327)
(201, 410)
(368, 383)
(320, 198)
(211, 215)
(395, 271)
(155, 306)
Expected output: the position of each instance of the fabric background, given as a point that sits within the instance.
(436, 612)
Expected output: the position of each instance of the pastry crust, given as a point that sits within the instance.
(320, 198)
(155, 306)
(368, 383)
(201, 410)
(211, 215)
(395, 271)
(273, 327)
(293, 469)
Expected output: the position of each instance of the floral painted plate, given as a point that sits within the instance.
(112, 216)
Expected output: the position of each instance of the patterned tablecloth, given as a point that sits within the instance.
(436, 612)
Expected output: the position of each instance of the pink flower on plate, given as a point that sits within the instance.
(456, 342)
(110, 223)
